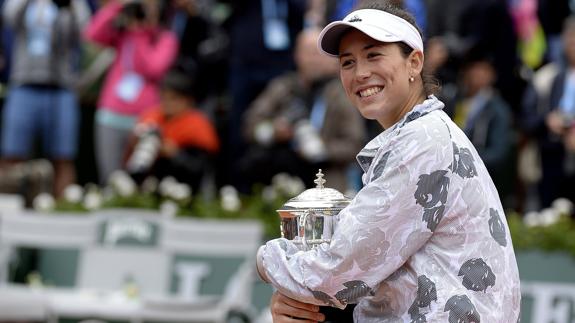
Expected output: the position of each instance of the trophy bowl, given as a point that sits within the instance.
(309, 219)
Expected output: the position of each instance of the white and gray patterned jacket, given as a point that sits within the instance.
(425, 240)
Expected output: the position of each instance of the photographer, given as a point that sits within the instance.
(145, 50)
(301, 122)
(176, 139)
(41, 101)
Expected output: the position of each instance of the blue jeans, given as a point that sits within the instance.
(32, 112)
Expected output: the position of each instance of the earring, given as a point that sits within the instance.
(411, 79)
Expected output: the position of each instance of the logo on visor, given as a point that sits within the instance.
(354, 19)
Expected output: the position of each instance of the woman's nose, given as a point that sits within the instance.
(362, 71)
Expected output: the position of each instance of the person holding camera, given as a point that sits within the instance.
(175, 139)
(302, 122)
(41, 101)
(145, 50)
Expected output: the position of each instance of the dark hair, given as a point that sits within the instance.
(62, 3)
(430, 83)
(180, 82)
(134, 10)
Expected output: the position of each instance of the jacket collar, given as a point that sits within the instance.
(367, 154)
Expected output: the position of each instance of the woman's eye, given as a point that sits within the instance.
(372, 55)
(346, 62)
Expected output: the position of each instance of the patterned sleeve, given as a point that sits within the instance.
(388, 221)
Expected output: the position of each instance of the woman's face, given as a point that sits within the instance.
(376, 75)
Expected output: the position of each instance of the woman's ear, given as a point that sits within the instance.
(415, 62)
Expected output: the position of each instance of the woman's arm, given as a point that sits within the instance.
(387, 222)
(101, 28)
(81, 12)
(13, 12)
(153, 56)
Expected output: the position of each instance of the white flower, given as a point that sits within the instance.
(531, 219)
(294, 186)
(73, 193)
(231, 204)
(108, 193)
(230, 200)
(228, 190)
(548, 216)
(180, 192)
(269, 194)
(150, 185)
(168, 209)
(563, 206)
(288, 185)
(122, 183)
(92, 200)
(166, 186)
(279, 180)
(44, 202)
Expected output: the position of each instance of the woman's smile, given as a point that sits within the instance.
(365, 93)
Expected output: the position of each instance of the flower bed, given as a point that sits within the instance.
(549, 230)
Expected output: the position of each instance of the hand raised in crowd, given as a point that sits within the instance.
(555, 122)
(286, 310)
(436, 55)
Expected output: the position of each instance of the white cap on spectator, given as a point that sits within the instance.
(377, 24)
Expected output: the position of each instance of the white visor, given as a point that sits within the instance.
(377, 24)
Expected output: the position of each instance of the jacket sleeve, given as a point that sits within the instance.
(153, 56)
(100, 29)
(81, 11)
(383, 226)
(501, 137)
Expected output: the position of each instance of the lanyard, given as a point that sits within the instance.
(128, 55)
(567, 103)
(274, 9)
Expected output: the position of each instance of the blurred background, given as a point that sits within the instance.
(146, 144)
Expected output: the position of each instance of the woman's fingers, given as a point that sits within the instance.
(287, 310)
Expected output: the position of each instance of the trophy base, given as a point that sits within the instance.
(335, 315)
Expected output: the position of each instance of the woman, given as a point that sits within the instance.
(426, 239)
(145, 51)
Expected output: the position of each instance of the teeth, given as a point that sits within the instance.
(369, 92)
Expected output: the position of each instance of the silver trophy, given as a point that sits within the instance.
(309, 219)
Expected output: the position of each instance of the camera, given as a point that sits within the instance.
(146, 150)
(134, 10)
(62, 3)
(307, 140)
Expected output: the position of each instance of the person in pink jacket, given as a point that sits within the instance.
(145, 50)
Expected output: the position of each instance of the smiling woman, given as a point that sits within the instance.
(417, 243)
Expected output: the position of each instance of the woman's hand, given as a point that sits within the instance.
(286, 310)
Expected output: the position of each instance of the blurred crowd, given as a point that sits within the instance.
(216, 92)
